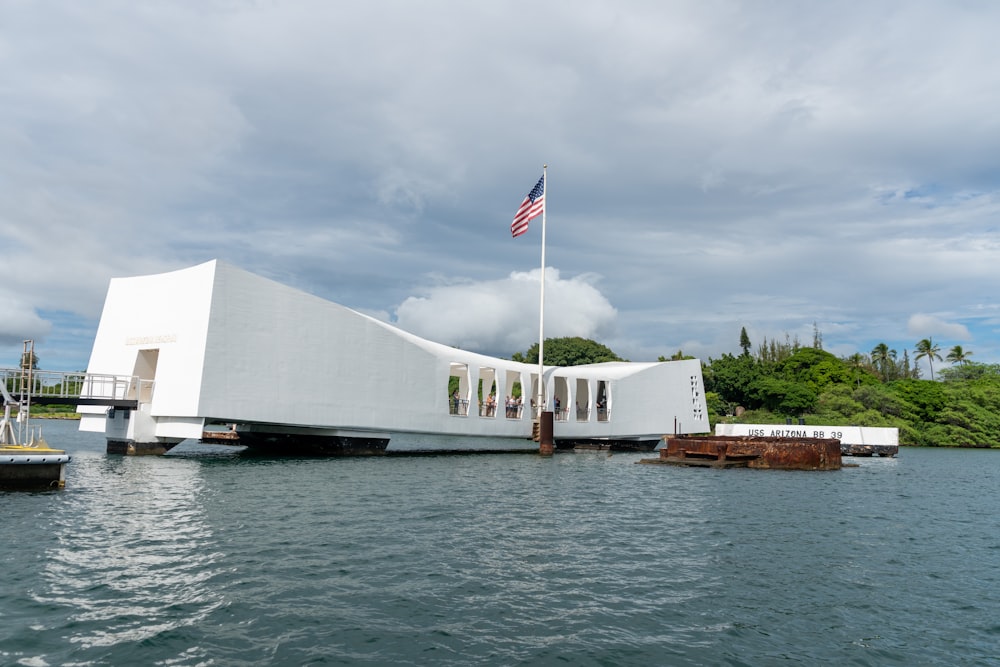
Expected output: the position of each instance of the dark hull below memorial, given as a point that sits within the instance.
(294, 444)
(615, 445)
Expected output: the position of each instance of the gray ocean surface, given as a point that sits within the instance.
(209, 557)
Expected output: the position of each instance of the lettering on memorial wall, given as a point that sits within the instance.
(794, 433)
(151, 340)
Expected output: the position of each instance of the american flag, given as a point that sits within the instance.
(532, 206)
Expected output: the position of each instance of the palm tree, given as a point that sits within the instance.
(959, 356)
(880, 358)
(857, 361)
(928, 348)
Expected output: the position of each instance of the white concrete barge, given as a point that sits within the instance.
(854, 440)
(215, 348)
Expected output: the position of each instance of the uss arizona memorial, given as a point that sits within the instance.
(215, 347)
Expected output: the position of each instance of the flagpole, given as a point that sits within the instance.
(541, 300)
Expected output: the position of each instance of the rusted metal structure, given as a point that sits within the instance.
(751, 452)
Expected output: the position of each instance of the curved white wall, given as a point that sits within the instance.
(236, 347)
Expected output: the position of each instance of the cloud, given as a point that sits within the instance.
(921, 324)
(20, 322)
(500, 317)
(719, 165)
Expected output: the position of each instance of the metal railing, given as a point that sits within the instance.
(95, 388)
(513, 411)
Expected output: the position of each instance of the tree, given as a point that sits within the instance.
(734, 379)
(880, 359)
(818, 368)
(676, 356)
(574, 351)
(959, 356)
(909, 373)
(787, 398)
(969, 370)
(857, 361)
(29, 360)
(745, 342)
(775, 351)
(878, 398)
(928, 348)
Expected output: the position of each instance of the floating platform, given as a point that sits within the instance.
(32, 467)
(776, 453)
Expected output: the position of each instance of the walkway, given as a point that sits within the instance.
(26, 386)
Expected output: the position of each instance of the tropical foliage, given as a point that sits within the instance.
(782, 379)
(787, 381)
(574, 351)
(928, 349)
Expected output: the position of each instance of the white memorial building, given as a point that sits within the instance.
(215, 347)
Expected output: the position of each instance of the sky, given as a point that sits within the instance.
(781, 166)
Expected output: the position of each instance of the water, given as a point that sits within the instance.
(205, 557)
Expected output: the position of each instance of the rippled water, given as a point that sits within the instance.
(207, 557)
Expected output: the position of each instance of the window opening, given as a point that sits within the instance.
(458, 390)
(603, 401)
(560, 399)
(582, 400)
(514, 400)
(487, 398)
(533, 397)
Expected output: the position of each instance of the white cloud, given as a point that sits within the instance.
(922, 324)
(719, 164)
(19, 322)
(501, 316)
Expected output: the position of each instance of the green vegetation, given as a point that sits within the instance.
(781, 380)
(13, 385)
(788, 381)
(54, 412)
(568, 352)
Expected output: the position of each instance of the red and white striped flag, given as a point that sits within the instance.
(531, 207)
